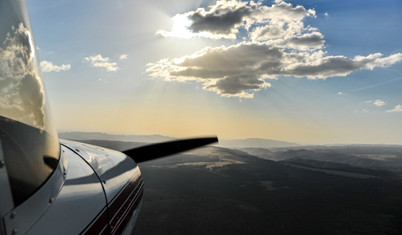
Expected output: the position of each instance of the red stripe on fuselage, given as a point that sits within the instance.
(120, 209)
(99, 225)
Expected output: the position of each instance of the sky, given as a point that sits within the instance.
(310, 72)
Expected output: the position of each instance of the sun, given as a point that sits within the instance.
(180, 28)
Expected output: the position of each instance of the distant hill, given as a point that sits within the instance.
(236, 143)
(214, 190)
(368, 156)
(320, 190)
(111, 137)
(255, 143)
(115, 145)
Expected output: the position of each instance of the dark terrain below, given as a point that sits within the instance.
(328, 190)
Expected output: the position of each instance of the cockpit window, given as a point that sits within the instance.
(28, 139)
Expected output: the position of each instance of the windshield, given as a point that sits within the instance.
(29, 141)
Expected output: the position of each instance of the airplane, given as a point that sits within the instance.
(52, 186)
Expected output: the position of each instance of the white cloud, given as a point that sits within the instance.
(396, 109)
(379, 103)
(237, 69)
(123, 56)
(340, 93)
(102, 62)
(326, 14)
(48, 66)
(226, 17)
(21, 92)
(277, 44)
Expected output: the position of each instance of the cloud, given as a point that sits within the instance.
(306, 41)
(123, 56)
(334, 66)
(377, 103)
(226, 17)
(243, 68)
(102, 62)
(21, 92)
(48, 66)
(276, 44)
(340, 93)
(396, 109)
(222, 19)
(237, 85)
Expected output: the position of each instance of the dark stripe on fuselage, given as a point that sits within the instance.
(124, 205)
(99, 225)
(120, 209)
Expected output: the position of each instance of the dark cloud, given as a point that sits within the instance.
(239, 70)
(221, 21)
(234, 85)
(235, 57)
(225, 18)
(278, 44)
(312, 40)
(202, 73)
(328, 67)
